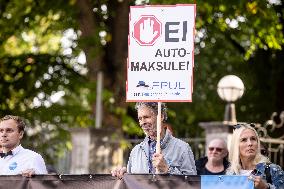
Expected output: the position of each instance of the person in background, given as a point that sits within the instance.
(176, 156)
(215, 163)
(245, 159)
(14, 158)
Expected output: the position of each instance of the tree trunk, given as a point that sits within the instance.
(116, 51)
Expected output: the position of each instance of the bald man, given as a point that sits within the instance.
(215, 163)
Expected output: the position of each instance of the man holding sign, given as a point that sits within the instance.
(176, 156)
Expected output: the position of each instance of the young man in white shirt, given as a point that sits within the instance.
(14, 158)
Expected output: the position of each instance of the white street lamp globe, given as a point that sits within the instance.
(230, 88)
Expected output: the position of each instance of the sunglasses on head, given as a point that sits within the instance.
(239, 125)
(217, 149)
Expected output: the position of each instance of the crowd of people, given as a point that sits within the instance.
(244, 156)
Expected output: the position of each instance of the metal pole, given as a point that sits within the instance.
(230, 113)
(158, 145)
(99, 107)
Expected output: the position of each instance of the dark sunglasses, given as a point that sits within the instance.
(217, 149)
(239, 125)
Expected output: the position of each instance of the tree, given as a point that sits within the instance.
(34, 70)
(244, 38)
(232, 37)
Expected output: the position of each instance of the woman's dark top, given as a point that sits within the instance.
(201, 169)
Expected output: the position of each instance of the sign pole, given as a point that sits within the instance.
(159, 128)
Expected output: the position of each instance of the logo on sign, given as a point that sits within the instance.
(142, 84)
(147, 30)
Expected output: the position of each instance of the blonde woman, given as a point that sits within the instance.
(246, 159)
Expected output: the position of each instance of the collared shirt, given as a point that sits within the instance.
(21, 160)
(177, 154)
(152, 150)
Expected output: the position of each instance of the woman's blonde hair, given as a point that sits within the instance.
(234, 150)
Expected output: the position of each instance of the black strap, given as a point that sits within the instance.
(267, 173)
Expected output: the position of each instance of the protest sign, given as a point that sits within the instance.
(161, 53)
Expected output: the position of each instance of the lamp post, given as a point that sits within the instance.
(230, 88)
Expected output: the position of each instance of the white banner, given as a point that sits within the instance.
(161, 53)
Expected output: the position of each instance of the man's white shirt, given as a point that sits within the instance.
(21, 160)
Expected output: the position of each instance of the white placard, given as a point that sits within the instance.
(161, 53)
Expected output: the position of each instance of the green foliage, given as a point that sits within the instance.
(238, 37)
(27, 84)
(233, 37)
(33, 69)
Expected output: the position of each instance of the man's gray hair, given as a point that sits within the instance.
(154, 107)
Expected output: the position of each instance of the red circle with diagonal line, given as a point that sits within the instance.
(155, 30)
